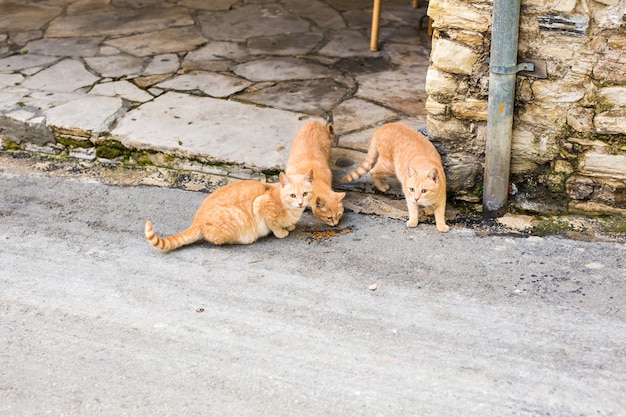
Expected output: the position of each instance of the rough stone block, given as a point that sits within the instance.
(20, 131)
(580, 119)
(529, 151)
(474, 39)
(595, 208)
(558, 91)
(564, 24)
(611, 122)
(547, 116)
(564, 5)
(610, 69)
(614, 95)
(448, 129)
(88, 154)
(604, 165)
(579, 187)
(439, 83)
(563, 167)
(470, 109)
(453, 57)
(50, 148)
(462, 174)
(609, 2)
(458, 14)
(434, 107)
(617, 41)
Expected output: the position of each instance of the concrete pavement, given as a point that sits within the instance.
(227, 83)
(96, 322)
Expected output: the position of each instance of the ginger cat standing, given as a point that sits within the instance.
(242, 212)
(397, 149)
(310, 150)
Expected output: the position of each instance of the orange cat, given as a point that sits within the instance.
(311, 151)
(242, 212)
(397, 149)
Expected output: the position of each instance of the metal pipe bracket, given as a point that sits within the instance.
(513, 69)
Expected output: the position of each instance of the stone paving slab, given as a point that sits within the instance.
(212, 84)
(202, 126)
(223, 81)
(119, 21)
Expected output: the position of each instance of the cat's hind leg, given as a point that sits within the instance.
(377, 174)
(379, 184)
(382, 169)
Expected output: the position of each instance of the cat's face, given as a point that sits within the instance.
(296, 190)
(329, 208)
(421, 187)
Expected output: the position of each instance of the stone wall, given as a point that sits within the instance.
(569, 131)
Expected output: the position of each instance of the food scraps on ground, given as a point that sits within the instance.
(319, 235)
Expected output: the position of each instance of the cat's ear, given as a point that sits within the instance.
(319, 203)
(331, 130)
(340, 196)
(411, 171)
(284, 180)
(434, 174)
(309, 177)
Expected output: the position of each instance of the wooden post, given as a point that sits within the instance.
(375, 26)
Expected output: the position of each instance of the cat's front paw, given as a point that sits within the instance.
(281, 233)
(443, 228)
(292, 227)
(412, 223)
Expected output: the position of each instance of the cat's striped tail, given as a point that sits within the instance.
(366, 166)
(190, 235)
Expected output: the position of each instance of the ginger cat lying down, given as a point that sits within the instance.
(242, 212)
(310, 150)
(397, 149)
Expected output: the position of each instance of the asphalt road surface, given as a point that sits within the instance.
(371, 319)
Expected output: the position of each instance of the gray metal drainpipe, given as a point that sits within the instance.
(502, 70)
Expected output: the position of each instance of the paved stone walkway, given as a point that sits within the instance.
(225, 82)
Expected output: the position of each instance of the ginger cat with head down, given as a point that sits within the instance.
(310, 150)
(242, 212)
(397, 149)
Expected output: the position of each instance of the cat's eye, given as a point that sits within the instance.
(292, 195)
(411, 189)
(424, 190)
(304, 194)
